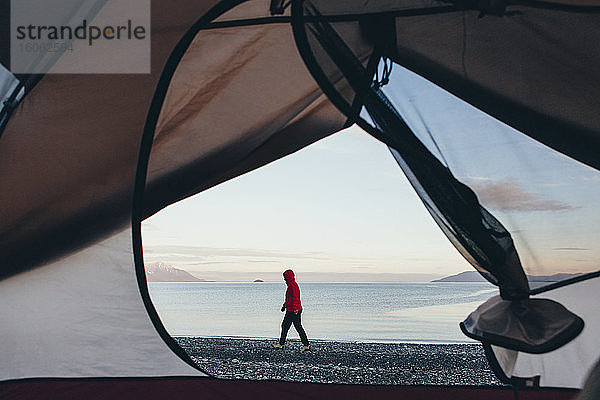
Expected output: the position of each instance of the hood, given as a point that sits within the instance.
(288, 275)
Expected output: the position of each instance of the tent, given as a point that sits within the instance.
(234, 85)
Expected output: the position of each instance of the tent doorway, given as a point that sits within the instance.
(343, 216)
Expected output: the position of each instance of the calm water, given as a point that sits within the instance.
(415, 312)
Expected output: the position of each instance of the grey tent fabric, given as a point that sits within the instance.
(82, 316)
(567, 366)
(68, 159)
(529, 325)
(591, 389)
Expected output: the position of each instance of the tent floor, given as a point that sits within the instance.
(208, 389)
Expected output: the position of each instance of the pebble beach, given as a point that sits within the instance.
(342, 362)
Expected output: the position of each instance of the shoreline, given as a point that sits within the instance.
(329, 361)
(365, 341)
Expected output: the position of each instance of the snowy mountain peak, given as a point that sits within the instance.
(161, 272)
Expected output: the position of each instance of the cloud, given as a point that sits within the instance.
(509, 195)
(203, 252)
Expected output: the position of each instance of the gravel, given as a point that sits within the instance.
(342, 362)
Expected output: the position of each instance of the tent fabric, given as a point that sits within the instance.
(68, 155)
(569, 365)
(82, 316)
(592, 384)
(529, 325)
(209, 389)
(222, 100)
(220, 115)
(84, 163)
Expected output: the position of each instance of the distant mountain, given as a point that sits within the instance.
(474, 276)
(467, 276)
(161, 272)
(258, 280)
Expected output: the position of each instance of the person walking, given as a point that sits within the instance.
(293, 310)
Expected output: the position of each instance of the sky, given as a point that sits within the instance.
(342, 205)
(339, 205)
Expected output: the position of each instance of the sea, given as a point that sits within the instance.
(363, 312)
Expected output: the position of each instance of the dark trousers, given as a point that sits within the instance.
(289, 319)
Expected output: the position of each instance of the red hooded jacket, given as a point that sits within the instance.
(292, 294)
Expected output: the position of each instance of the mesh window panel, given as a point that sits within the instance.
(546, 200)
